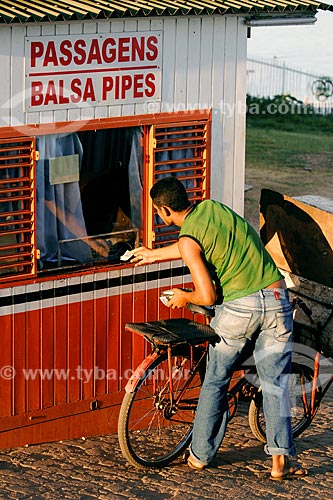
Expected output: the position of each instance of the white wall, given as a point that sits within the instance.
(204, 66)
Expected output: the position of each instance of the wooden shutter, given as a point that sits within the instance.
(17, 208)
(179, 149)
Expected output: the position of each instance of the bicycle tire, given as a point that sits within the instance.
(151, 433)
(301, 377)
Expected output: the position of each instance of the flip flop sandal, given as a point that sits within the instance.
(195, 464)
(291, 474)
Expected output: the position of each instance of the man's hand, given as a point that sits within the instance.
(142, 256)
(179, 299)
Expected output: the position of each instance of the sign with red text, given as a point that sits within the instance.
(88, 70)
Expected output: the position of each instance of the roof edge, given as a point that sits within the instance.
(20, 15)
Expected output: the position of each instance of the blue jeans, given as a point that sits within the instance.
(266, 318)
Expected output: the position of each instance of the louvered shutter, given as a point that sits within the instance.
(17, 208)
(181, 150)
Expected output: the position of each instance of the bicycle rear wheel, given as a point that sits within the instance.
(300, 387)
(152, 430)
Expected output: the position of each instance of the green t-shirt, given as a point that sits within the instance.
(235, 254)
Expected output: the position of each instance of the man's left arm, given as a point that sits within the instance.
(204, 289)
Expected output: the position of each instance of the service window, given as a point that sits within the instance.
(89, 186)
(73, 200)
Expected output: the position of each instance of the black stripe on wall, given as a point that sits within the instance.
(92, 286)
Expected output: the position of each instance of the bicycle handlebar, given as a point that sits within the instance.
(301, 304)
(205, 310)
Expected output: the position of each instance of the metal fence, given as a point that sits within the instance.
(267, 78)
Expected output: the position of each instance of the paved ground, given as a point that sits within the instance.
(94, 468)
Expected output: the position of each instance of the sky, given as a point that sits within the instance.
(309, 48)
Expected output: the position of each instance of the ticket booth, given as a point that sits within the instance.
(98, 101)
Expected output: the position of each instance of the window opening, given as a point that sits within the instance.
(89, 192)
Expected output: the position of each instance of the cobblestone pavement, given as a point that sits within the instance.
(94, 468)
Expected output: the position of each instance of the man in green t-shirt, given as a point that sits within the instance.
(230, 269)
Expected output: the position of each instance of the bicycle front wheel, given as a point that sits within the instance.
(152, 429)
(300, 387)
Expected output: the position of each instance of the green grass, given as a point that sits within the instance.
(266, 146)
(315, 123)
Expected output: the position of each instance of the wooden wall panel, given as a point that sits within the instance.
(87, 345)
(113, 334)
(6, 366)
(218, 145)
(47, 314)
(33, 356)
(238, 165)
(126, 316)
(100, 338)
(19, 355)
(60, 354)
(139, 314)
(5, 87)
(74, 321)
(113, 345)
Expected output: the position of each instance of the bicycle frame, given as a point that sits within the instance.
(316, 397)
(179, 403)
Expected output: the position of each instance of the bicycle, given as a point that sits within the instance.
(158, 409)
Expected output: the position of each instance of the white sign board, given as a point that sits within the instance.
(68, 71)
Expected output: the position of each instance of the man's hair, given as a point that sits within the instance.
(170, 192)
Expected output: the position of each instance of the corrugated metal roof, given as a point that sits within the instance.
(26, 11)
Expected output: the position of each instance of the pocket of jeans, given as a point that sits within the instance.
(284, 327)
(232, 324)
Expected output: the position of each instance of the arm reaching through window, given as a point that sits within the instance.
(144, 255)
